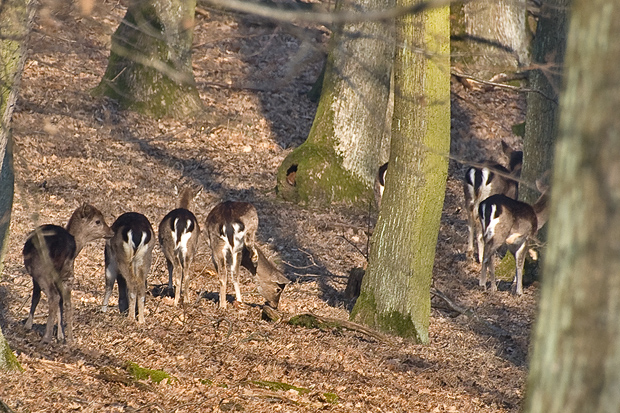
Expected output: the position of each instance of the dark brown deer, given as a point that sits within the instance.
(49, 256)
(231, 226)
(482, 182)
(178, 235)
(270, 282)
(505, 220)
(128, 256)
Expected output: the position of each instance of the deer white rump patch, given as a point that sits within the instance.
(489, 230)
(181, 244)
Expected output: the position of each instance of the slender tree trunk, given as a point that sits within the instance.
(575, 365)
(395, 294)
(347, 142)
(542, 108)
(150, 64)
(16, 17)
(491, 36)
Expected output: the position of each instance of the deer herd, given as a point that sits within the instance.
(494, 215)
(50, 252)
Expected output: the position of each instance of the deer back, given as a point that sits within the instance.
(228, 223)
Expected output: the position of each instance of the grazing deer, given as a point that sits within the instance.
(270, 282)
(231, 226)
(178, 235)
(505, 220)
(380, 183)
(481, 183)
(128, 256)
(49, 255)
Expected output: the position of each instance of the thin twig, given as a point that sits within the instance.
(503, 85)
(469, 313)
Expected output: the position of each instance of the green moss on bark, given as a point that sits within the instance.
(319, 178)
(149, 69)
(394, 322)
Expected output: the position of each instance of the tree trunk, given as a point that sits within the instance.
(395, 294)
(16, 17)
(490, 37)
(575, 365)
(542, 108)
(347, 142)
(150, 64)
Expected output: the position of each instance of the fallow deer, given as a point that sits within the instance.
(482, 182)
(505, 220)
(270, 282)
(231, 226)
(128, 256)
(178, 235)
(49, 256)
(380, 184)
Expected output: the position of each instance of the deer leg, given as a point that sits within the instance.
(220, 266)
(170, 266)
(234, 270)
(480, 240)
(36, 296)
(141, 297)
(53, 299)
(487, 265)
(517, 284)
(67, 313)
(123, 300)
(110, 277)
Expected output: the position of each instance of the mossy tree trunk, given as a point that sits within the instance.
(490, 36)
(347, 142)
(542, 108)
(16, 17)
(150, 64)
(576, 357)
(395, 295)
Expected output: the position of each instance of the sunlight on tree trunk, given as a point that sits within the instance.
(16, 17)
(395, 294)
(347, 142)
(150, 64)
(491, 36)
(542, 109)
(575, 364)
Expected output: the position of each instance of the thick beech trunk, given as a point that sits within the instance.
(575, 366)
(347, 142)
(395, 294)
(491, 36)
(542, 108)
(16, 17)
(150, 65)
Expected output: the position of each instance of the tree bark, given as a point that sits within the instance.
(150, 65)
(347, 142)
(16, 17)
(490, 37)
(542, 108)
(395, 294)
(575, 365)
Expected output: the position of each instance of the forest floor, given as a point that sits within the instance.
(72, 148)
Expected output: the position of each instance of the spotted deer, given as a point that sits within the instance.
(231, 226)
(505, 220)
(178, 235)
(128, 256)
(270, 282)
(482, 182)
(49, 256)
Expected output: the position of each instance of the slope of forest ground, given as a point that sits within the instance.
(252, 76)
